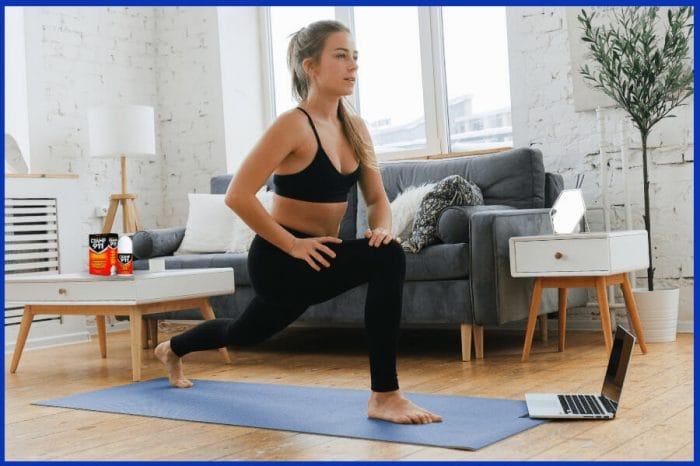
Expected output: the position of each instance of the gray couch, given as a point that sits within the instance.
(463, 281)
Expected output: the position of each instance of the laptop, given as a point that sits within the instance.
(589, 406)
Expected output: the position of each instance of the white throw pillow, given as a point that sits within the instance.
(404, 208)
(242, 235)
(209, 224)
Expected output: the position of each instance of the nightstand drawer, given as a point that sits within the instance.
(578, 254)
(561, 256)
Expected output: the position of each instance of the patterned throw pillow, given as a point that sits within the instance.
(451, 191)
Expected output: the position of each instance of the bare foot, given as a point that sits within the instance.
(393, 407)
(173, 364)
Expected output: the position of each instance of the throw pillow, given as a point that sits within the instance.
(453, 190)
(242, 235)
(209, 225)
(404, 208)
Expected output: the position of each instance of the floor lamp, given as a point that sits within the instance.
(122, 131)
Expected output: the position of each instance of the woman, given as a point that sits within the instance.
(316, 152)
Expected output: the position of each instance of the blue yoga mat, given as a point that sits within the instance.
(469, 423)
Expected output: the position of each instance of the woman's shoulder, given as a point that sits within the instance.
(293, 116)
(292, 121)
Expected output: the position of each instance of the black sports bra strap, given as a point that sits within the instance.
(311, 122)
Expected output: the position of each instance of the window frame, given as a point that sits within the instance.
(433, 73)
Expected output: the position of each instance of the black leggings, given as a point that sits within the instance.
(285, 287)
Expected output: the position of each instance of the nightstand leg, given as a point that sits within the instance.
(562, 317)
(101, 335)
(532, 318)
(604, 311)
(544, 331)
(632, 312)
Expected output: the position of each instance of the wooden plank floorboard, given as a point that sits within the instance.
(428, 363)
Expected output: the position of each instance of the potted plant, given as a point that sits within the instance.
(647, 75)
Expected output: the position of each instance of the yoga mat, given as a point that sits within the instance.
(469, 423)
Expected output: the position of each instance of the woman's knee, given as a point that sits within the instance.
(392, 256)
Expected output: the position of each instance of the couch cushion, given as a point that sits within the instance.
(239, 262)
(438, 262)
(219, 184)
(514, 178)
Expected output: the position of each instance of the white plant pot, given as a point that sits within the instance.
(658, 312)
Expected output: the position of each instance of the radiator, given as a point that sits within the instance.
(31, 244)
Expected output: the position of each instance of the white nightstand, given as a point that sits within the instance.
(580, 260)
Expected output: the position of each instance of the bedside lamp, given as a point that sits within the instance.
(122, 131)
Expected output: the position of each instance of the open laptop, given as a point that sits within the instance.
(585, 406)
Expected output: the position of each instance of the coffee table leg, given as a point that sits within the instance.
(27, 317)
(208, 314)
(153, 331)
(136, 325)
(101, 334)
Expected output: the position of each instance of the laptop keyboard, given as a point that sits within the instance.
(583, 404)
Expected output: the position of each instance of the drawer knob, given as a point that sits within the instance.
(558, 255)
(61, 291)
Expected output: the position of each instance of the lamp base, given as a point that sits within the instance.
(130, 216)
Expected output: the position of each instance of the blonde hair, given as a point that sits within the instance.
(308, 42)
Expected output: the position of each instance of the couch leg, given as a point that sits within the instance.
(479, 341)
(466, 333)
(544, 331)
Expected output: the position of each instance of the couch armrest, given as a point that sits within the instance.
(453, 223)
(497, 297)
(158, 242)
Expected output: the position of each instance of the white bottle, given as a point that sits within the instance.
(125, 258)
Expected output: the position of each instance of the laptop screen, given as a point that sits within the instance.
(617, 366)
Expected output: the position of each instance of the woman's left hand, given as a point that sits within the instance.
(378, 236)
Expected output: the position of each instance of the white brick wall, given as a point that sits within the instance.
(544, 117)
(164, 57)
(77, 58)
(190, 108)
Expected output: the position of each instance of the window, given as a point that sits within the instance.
(431, 80)
(476, 71)
(389, 79)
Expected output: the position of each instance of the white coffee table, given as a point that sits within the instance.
(135, 296)
(581, 260)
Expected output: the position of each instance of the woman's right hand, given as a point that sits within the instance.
(310, 249)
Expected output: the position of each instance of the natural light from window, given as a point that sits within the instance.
(390, 83)
(476, 70)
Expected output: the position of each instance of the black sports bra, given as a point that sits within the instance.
(320, 181)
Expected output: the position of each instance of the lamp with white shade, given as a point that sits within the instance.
(122, 131)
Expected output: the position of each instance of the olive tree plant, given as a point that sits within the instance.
(646, 74)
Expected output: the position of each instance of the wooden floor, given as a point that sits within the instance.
(655, 420)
